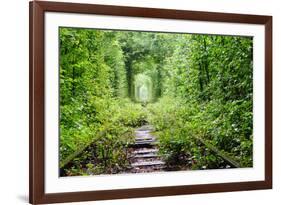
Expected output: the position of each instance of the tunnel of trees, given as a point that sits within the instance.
(193, 89)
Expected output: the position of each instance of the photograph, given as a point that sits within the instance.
(138, 102)
(132, 102)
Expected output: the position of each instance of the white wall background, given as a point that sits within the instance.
(14, 101)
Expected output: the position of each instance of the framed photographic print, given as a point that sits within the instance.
(139, 102)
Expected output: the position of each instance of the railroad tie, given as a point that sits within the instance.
(144, 156)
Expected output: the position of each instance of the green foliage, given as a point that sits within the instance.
(226, 126)
(92, 83)
(209, 82)
(199, 86)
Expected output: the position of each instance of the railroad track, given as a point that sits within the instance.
(144, 155)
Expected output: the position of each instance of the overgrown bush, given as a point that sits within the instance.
(181, 124)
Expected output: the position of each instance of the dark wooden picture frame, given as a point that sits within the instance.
(37, 193)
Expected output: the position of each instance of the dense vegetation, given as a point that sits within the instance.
(189, 87)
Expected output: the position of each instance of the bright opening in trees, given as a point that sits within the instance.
(143, 88)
